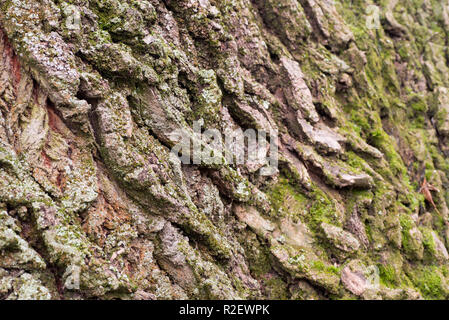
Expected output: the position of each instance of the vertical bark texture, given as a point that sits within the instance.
(94, 205)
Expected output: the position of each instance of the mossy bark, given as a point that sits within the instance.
(94, 205)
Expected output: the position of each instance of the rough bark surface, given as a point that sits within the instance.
(89, 190)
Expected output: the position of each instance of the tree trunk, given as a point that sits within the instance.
(349, 101)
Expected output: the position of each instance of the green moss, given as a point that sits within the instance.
(355, 161)
(429, 244)
(380, 139)
(388, 276)
(322, 210)
(321, 266)
(406, 225)
(430, 283)
(257, 254)
(417, 111)
(287, 200)
(313, 207)
(403, 52)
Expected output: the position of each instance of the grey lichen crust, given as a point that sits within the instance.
(94, 205)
